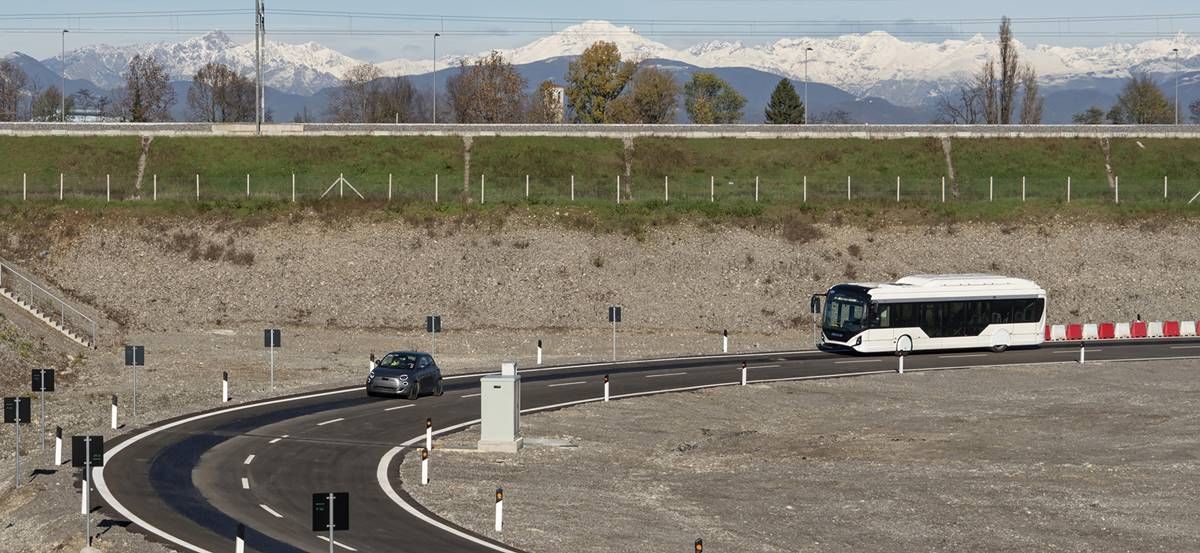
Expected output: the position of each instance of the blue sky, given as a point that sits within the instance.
(678, 23)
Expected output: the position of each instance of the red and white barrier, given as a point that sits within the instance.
(1076, 332)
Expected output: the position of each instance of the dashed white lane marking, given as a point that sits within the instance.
(664, 375)
(398, 407)
(471, 395)
(245, 483)
(567, 384)
(856, 361)
(270, 510)
(962, 355)
(338, 543)
(330, 422)
(276, 440)
(249, 459)
(1076, 351)
(1185, 347)
(763, 366)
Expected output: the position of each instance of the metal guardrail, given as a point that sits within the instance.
(70, 318)
(866, 131)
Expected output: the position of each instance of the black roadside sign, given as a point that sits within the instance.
(341, 511)
(80, 449)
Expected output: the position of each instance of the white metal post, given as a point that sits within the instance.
(1081, 353)
(17, 473)
(1117, 190)
(435, 188)
(247, 185)
(389, 187)
(1068, 189)
(806, 188)
(897, 189)
(424, 467)
(900, 366)
(572, 188)
(1022, 189)
(756, 189)
(606, 388)
(499, 510)
(667, 189)
(712, 189)
(943, 189)
(197, 187)
(526, 187)
(87, 491)
(60, 187)
(239, 541)
(482, 189)
(42, 409)
(614, 341)
(429, 434)
(293, 188)
(618, 189)
(24, 187)
(156, 187)
(107, 188)
(847, 187)
(1164, 188)
(272, 354)
(330, 522)
(991, 188)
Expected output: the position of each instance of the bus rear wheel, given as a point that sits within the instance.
(1000, 348)
(904, 345)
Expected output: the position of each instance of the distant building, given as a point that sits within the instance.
(91, 116)
(556, 103)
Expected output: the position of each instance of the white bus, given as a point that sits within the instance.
(932, 312)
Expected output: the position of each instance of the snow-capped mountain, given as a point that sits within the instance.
(295, 68)
(874, 64)
(871, 64)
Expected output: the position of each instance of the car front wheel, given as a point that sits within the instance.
(438, 389)
(414, 390)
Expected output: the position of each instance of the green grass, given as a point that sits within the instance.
(725, 168)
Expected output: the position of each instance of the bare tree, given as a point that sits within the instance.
(988, 88)
(393, 100)
(1009, 72)
(488, 91)
(220, 94)
(963, 107)
(148, 95)
(12, 85)
(1032, 103)
(349, 102)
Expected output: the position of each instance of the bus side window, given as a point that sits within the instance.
(885, 316)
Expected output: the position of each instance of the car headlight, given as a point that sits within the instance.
(858, 342)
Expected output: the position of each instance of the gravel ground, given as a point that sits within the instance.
(198, 293)
(1045, 458)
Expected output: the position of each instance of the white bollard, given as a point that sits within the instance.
(424, 467)
(57, 446)
(900, 366)
(114, 412)
(499, 509)
(539, 352)
(83, 497)
(1081, 353)
(225, 387)
(725, 341)
(743, 373)
(239, 545)
(606, 388)
(429, 434)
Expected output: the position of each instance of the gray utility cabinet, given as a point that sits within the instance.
(500, 411)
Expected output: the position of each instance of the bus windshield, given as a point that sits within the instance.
(846, 313)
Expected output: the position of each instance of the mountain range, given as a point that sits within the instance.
(877, 77)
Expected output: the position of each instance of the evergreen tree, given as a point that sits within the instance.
(785, 107)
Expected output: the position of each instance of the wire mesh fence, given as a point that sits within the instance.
(488, 188)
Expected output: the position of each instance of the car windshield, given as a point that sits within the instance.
(846, 313)
(401, 361)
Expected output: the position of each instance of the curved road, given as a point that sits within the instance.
(190, 481)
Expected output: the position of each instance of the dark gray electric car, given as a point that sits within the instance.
(405, 373)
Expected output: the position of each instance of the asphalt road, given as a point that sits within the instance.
(195, 478)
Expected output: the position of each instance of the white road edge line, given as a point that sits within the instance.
(338, 543)
(1075, 350)
(245, 483)
(471, 395)
(567, 384)
(664, 375)
(962, 355)
(748, 366)
(1185, 347)
(249, 459)
(857, 361)
(732, 356)
(398, 407)
(339, 419)
(270, 510)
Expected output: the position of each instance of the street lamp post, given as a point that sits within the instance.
(1177, 68)
(435, 37)
(62, 94)
(806, 106)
